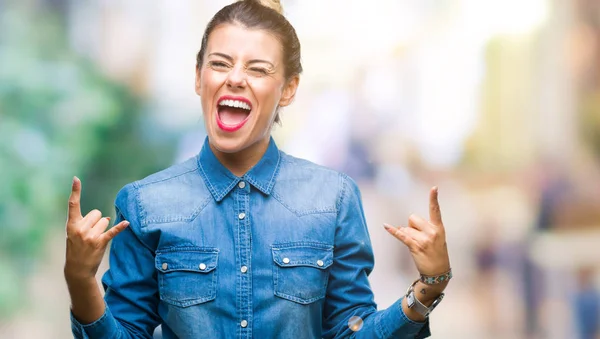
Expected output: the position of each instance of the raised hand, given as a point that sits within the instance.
(86, 237)
(426, 240)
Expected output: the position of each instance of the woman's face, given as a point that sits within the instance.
(241, 84)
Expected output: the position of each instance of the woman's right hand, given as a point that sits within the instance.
(86, 238)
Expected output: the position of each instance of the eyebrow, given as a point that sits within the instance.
(230, 59)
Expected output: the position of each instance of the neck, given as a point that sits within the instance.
(241, 162)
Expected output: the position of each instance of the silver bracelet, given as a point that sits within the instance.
(437, 279)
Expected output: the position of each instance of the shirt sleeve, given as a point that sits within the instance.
(130, 283)
(350, 311)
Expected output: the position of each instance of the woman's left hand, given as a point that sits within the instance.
(426, 240)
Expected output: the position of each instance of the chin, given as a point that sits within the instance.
(229, 143)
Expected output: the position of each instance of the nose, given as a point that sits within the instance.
(236, 78)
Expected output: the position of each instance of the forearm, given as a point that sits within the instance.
(129, 307)
(426, 295)
(389, 323)
(400, 321)
(87, 304)
(90, 317)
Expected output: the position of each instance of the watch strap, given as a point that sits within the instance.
(413, 302)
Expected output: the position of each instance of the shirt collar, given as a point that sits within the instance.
(220, 181)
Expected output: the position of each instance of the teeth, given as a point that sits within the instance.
(235, 104)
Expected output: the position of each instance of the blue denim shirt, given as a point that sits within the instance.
(282, 252)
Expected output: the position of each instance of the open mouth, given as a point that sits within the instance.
(233, 112)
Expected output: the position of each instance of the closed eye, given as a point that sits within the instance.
(259, 70)
(218, 64)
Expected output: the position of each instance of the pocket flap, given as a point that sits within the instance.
(195, 259)
(303, 254)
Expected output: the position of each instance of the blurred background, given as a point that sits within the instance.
(495, 101)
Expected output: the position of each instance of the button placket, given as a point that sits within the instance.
(243, 241)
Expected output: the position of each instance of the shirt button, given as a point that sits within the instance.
(202, 266)
(244, 269)
(320, 263)
(242, 215)
(286, 260)
(165, 266)
(244, 323)
(242, 184)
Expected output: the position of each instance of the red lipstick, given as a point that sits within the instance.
(229, 127)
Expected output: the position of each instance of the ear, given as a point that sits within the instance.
(198, 80)
(289, 91)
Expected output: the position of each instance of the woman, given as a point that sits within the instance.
(244, 240)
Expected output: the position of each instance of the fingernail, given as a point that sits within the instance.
(126, 223)
(108, 218)
(386, 226)
(435, 188)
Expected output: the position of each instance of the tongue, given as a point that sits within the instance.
(232, 116)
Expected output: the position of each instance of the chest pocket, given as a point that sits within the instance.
(300, 271)
(187, 275)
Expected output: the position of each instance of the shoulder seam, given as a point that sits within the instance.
(342, 191)
(291, 159)
(141, 184)
(139, 234)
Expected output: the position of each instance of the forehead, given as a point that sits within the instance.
(244, 43)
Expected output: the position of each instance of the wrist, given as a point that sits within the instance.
(437, 278)
(427, 294)
(78, 277)
(416, 308)
(429, 287)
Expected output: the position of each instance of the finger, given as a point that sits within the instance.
(435, 215)
(111, 233)
(418, 223)
(100, 226)
(74, 201)
(419, 237)
(400, 234)
(92, 218)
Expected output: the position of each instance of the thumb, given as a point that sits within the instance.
(114, 231)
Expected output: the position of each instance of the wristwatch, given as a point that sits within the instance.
(414, 303)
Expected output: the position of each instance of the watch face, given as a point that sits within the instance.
(410, 299)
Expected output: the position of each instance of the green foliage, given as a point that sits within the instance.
(59, 117)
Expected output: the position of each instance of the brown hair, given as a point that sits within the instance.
(259, 14)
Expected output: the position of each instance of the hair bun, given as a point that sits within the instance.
(272, 4)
